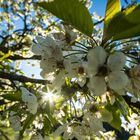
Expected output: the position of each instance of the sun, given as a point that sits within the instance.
(49, 96)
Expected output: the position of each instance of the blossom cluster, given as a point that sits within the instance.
(55, 66)
(100, 70)
(108, 69)
(74, 68)
(89, 79)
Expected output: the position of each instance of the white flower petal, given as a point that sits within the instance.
(117, 80)
(57, 54)
(47, 52)
(48, 65)
(29, 97)
(54, 53)
(92, 71)
(116, 61)
(48, 76)
(44, 45)
(96, 57)
(58, 36)
(70, 67)
(59, 80)
(48, 41)
(96, 125)
(32, 107)
(97, 85)
(121, 91)
(134, 87)
(15, 123)
(36, 49)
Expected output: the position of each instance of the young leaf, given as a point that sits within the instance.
(72, 12)
(112, 8)
(122, 105)
(116, 121)
(125, 24)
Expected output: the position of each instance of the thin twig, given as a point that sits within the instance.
(98, 22)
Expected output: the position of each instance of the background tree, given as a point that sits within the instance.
(88, 86)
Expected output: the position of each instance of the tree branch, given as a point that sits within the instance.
(18, 57)
(21, 78)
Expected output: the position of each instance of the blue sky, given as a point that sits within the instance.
(99, 6)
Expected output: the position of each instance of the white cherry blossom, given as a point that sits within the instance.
(103, 69)
(43, 45)
(65, 38)
(50, 52)
(75, 69)
(94, 121)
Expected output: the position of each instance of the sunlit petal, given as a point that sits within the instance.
(97, 85)
(117, 80)
(116, 61)
(96, 57)
(48, 41)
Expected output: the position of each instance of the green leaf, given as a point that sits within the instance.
(133, 13)
(30, 118)
(49, 107)
(125, 24)
(132, 32)
(16, 96)
(58, 103)
(47, 125)
(112, 8)
(14, 107)
(122, 105)
(116, 121)
(72, 12)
